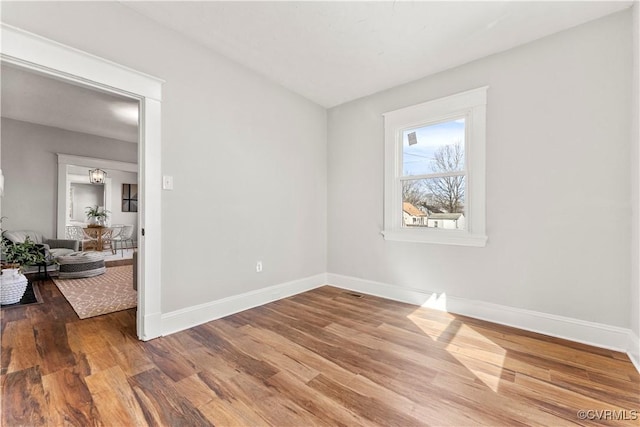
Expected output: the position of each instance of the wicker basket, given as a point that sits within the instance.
(12, 286)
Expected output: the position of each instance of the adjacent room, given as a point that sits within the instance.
(61, 198)
(320, 213)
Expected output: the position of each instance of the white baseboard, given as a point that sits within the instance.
(192, 316)
(634, 350)
(152, 326)
(596, 334)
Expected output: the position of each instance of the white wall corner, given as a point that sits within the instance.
(591, 333)
(189, 317)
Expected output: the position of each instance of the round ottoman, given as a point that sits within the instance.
(81, 264)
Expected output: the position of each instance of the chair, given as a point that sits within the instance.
(74, 232)
(116, 232)
(107, 240)
(85, 241)
(125, 235)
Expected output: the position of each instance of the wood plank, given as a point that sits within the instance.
(231, 354)
(114, 398)
(554, 393)
(195, 391)
(167, 358)
(367, 407)
(23, 399)
(18, 346)
(513, 405)
(161, 403)
(132, 358)
(101, 360)
(52, 347)
(225, 414)
(69, 400)
(599, 391)
(87, 336)
(227, 409)
(243, 391)
(315, 402)
(205, 359)
(256, 349)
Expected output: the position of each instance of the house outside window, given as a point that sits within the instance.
(435, 171)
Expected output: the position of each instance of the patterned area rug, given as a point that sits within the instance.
(107, 293)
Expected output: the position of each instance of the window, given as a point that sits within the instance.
(435, 171)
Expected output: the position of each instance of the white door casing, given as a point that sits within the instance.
(27, 50)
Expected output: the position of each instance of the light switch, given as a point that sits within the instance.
(167, 182)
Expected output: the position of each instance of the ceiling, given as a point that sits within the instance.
(37, 98)
(336, 51)
(328, 52)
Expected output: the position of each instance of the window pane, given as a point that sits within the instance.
(434, 202)
(434, 148)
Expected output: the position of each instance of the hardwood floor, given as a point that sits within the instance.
(326, 357)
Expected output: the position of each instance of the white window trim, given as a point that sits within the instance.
(471, 105)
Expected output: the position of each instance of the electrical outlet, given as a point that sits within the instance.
(259, 267)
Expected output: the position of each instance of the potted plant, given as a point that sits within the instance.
(13, 283)
(97, 217)
(24, 254)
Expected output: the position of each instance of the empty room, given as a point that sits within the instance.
(387, 213)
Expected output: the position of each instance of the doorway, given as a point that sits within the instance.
(31, 52)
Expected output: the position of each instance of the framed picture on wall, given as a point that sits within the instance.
(129, 197)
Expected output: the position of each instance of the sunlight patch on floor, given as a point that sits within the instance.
(481, 356)
(436, 302)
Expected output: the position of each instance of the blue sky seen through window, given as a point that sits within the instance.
(418, 149)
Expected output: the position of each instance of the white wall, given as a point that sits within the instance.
(558, 132)
(117, 216)
(30, 167)
(248, 157)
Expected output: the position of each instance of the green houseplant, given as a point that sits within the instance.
(96, 216)
(23, 254)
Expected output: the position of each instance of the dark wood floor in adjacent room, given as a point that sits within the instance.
(325, 357)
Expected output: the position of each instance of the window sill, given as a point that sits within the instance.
(439, 237)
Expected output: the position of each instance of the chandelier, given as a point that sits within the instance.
(97, 176)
